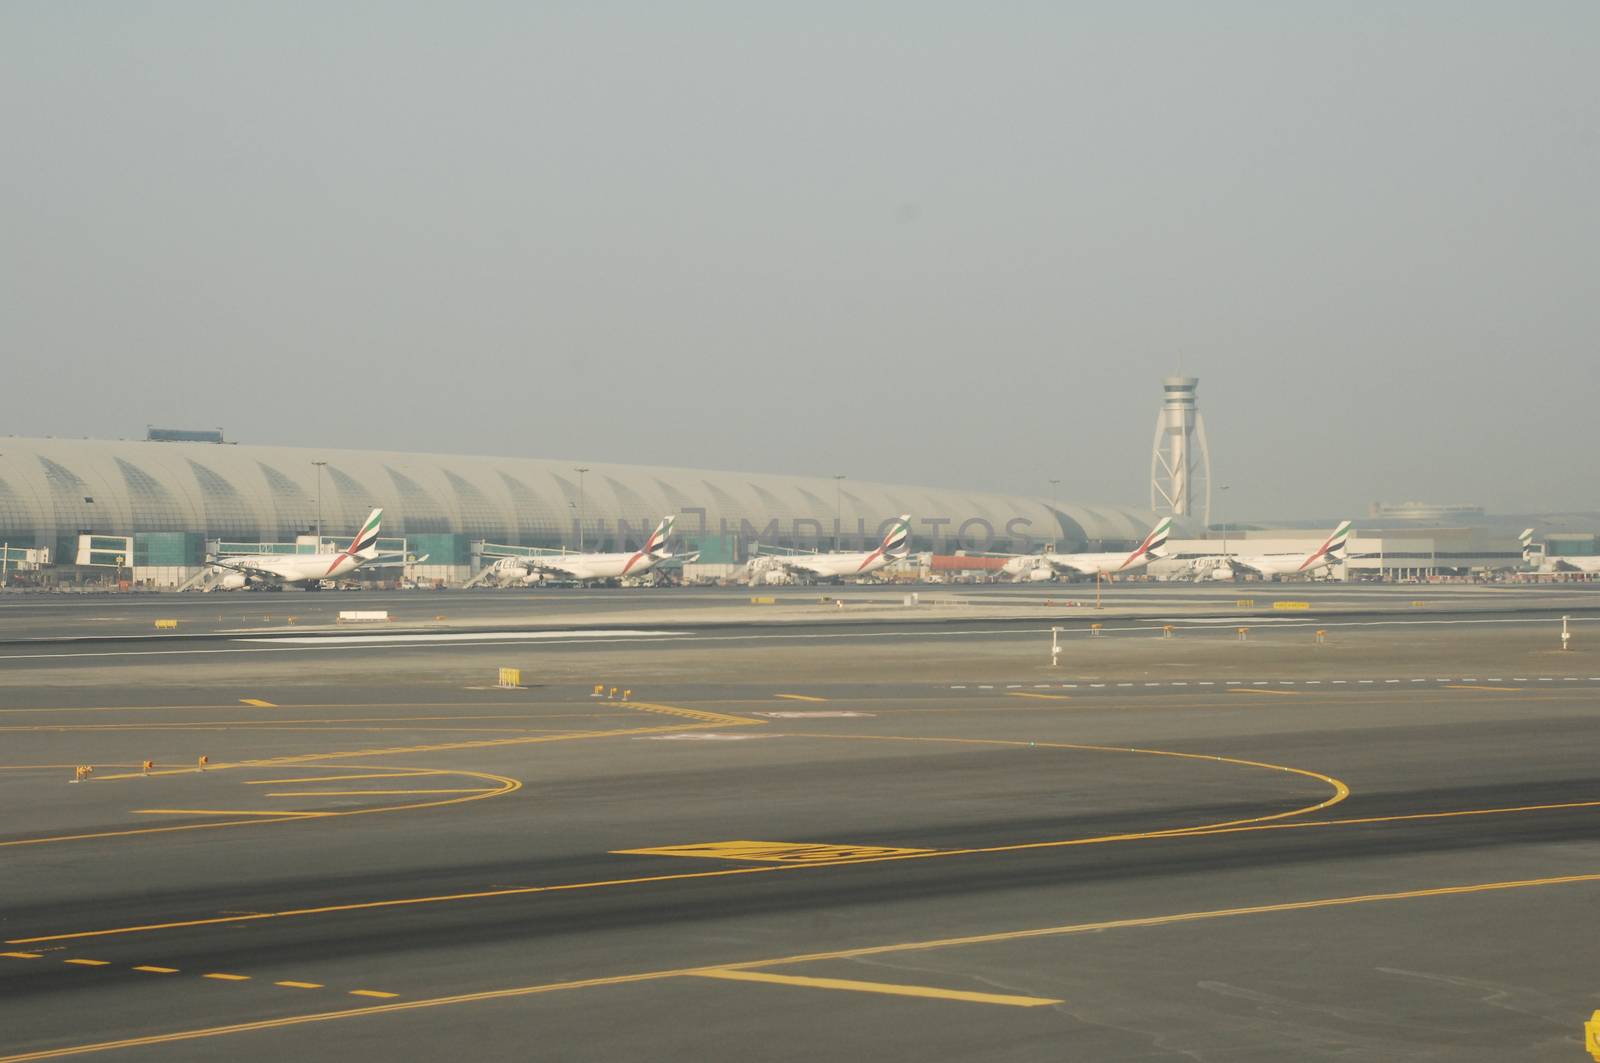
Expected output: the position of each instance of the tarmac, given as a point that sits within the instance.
(876, 832)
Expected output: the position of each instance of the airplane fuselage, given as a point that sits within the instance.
(838, 565)
(1272, 565)
(293, 568)
(1097, 564)
(594, 566)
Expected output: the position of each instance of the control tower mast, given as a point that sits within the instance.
(1180, 460)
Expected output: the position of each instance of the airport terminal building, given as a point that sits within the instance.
(174, 500)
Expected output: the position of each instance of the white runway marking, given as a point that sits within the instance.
(305, 643)
(464, 636)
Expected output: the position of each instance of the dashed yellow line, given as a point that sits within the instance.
(876, 987)
(870, 950)
(257, 702)
(798, 697)
(1474, 686)
(218, 976)
(1263, 690)
(1031, 694)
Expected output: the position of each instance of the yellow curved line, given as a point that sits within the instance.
(1340, 790)
(710, 719)
(507, 785)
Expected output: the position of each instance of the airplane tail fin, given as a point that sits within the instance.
(657, 543)
(1153, 546)
(1331, 550)
(897, 543)
(365, 544)
(1526, 539)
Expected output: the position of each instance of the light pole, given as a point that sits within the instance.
(836, 530)
(580, 470)
(319, 465)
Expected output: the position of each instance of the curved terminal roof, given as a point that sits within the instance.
(51, 490)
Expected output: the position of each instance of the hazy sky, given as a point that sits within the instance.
(954, 244)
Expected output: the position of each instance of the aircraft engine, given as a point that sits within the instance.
(233, 581)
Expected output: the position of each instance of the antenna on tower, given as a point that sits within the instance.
(1180, 460)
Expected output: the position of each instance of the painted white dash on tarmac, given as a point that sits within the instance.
(462, 636)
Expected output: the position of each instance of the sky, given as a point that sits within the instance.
(920, 242)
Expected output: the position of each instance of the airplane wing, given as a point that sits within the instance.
(1248, 564)
(389, 560)
(247, 569)
(1063, 566)
(790, 563)
(548, 564)
(674, 560)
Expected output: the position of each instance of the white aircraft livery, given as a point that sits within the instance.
(280, 569)
(896, 546)
(1110, 564)
(1270, 566)
(583, 567)
(1537, 554)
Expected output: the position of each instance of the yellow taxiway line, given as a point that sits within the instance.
(344, 778)
(1340, 792)
(889, 988)
(1172, 919)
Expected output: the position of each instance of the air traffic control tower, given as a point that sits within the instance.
(1180, 460)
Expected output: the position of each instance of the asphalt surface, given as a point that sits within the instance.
(26, 617)
(859, 837)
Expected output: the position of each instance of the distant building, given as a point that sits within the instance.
(185, 494)
(1432, 512)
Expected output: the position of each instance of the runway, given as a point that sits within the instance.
(927, 844)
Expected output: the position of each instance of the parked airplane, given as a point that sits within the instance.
(896, 546)
(1034, 567)
(1272, 566)
(584, 567)
(279, 570)
(1538, 555)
